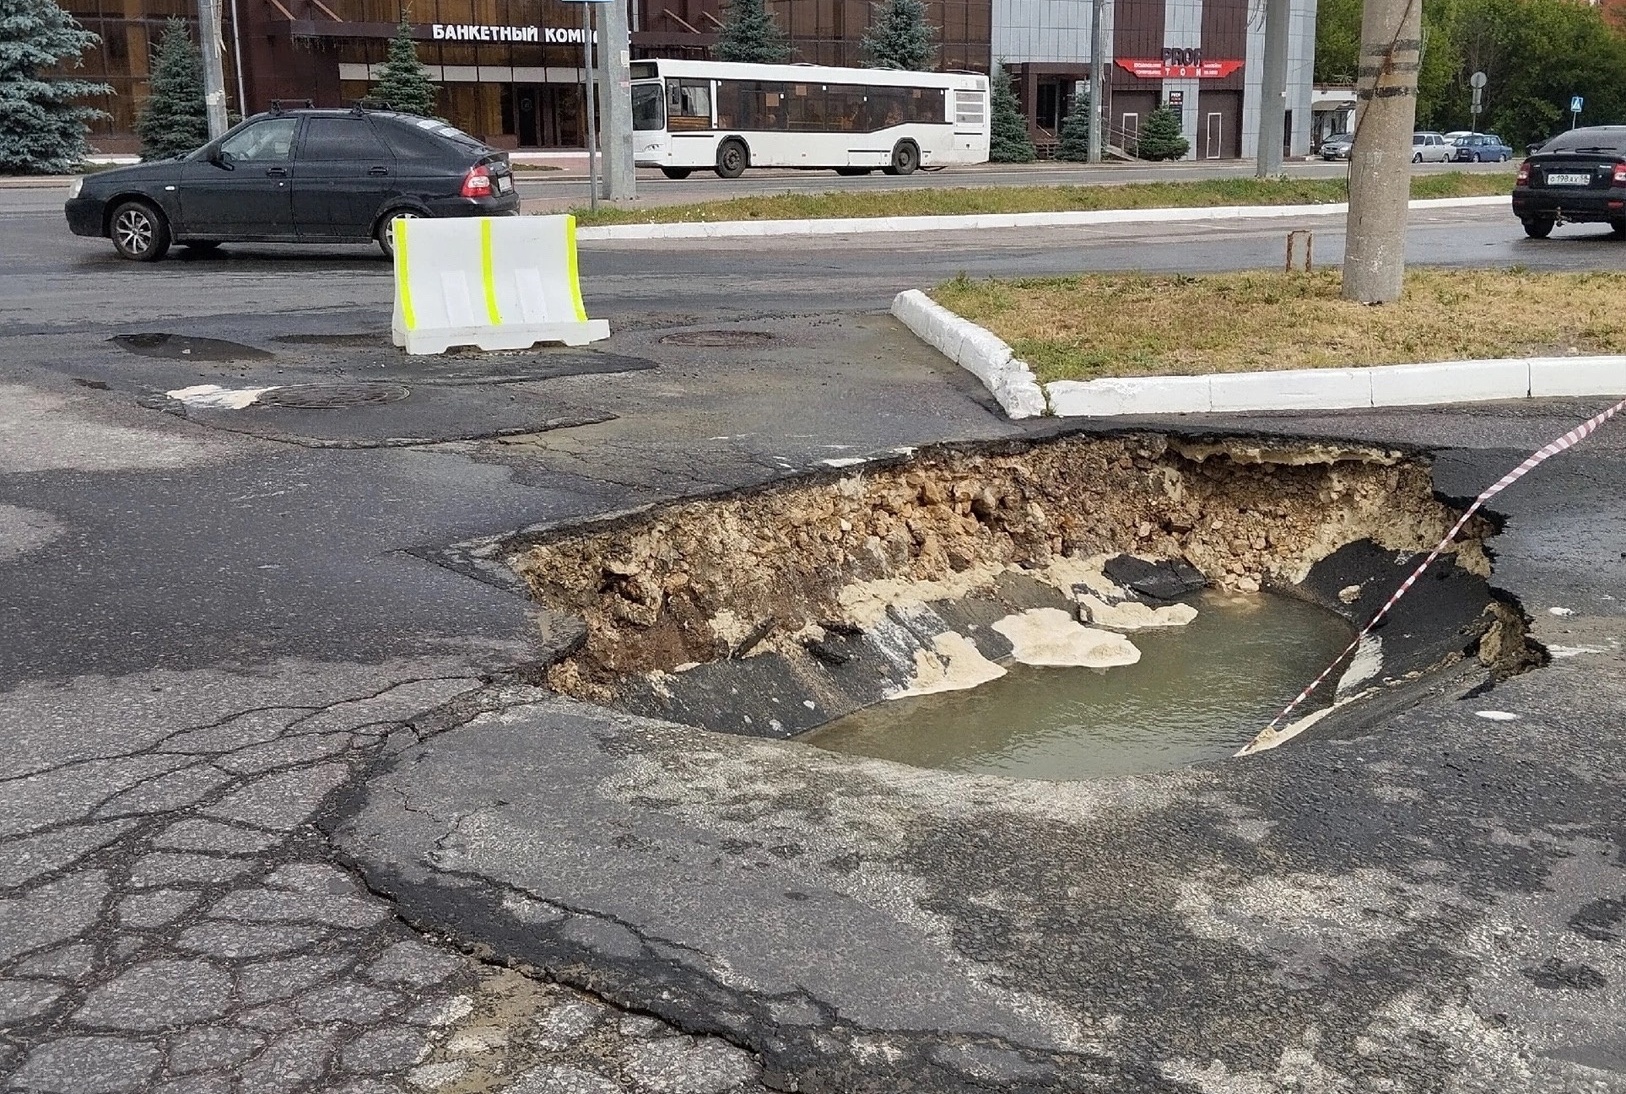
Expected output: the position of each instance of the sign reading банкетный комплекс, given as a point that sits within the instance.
(480, 32)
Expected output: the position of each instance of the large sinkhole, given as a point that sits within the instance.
(1072, 608)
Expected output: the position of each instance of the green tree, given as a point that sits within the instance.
(1075, 132)
(900, 37)
(1008, 140)
(174, 119)
(1337, 40)
(750, 35)
(1160, 137)
(42, 128)
(403, 82)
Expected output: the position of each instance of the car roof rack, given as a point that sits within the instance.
(277, 106)
(366, 103)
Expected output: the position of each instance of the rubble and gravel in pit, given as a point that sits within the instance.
(707, 580)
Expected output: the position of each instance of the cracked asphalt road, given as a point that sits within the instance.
(281, 811)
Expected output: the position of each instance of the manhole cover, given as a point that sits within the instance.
(720, 339)
(333, 396)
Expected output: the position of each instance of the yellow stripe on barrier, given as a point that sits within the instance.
(575, 276)
(488, 276)
(403, 283)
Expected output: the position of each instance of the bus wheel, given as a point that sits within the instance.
(676, 172)
(851, 171)
(905, 158)
(732, 159)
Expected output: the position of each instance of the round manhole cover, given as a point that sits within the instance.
(333, 396)
(720, 339)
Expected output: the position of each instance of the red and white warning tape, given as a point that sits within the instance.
(1267, 737)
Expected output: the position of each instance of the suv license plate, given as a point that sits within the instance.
(1568, 180)
(504, 184)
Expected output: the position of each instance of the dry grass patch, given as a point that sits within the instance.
(1084, 327)
(962, 201)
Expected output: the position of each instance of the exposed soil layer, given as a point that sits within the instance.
(819, 558)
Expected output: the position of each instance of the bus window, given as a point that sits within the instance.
(646, 107)
(688, 104)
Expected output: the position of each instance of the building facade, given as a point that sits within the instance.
(512, 73)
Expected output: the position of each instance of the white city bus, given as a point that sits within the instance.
(726, 117)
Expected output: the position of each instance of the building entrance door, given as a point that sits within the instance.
(548, 116)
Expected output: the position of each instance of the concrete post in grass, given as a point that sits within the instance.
(1380, 161)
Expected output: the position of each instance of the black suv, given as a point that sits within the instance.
(1577, 177)
(296, 176)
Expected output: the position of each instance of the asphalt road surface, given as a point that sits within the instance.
(281, 808)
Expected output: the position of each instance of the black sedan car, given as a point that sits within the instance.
(1578, 177)
(296, 176)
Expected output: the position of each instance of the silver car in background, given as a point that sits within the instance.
(1428, 146)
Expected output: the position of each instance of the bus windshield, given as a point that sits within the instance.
(648, 102)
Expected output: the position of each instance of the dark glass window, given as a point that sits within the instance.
(265, 141)
(342, 139)
(647, 112)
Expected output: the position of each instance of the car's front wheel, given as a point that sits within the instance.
(1538, 227)
(140, 232)
(385, 233)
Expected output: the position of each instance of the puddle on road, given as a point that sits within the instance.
(1198, 693)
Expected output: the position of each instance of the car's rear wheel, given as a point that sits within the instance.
(905, 158)
(140, 232)
(732, 159)
(1417, 157)
(677, 172)
(385, 234)
(1617, 228)
(1538, 227)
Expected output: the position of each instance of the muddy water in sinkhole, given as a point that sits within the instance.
(1198, 693)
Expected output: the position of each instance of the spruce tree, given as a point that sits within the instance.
(42, 129)
(750, 35)
(1075, 132)
(403, 82)
(900, 37)
(1160, 137)
(174, 119)
(1008, 140)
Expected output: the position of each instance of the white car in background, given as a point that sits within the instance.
(1430, 147)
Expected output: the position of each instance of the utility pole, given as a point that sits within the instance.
(615, 94)
(214, 75)
(1098, 10)
(1380, 162)
(1273, 91)
(592, 110)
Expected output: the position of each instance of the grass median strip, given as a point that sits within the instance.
(1087, 327)
(963, 201)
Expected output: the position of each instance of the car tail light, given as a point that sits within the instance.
(477, 183)
(1524, 174)
(1620, 175)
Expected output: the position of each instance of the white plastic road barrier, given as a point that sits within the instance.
(492, 282)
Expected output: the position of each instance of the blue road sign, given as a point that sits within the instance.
(1575, 104)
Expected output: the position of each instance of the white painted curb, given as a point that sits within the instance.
(1443, 382)
(974, 349)
(730, 229)
(1012, 383)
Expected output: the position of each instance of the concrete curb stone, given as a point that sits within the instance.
(975, 349)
